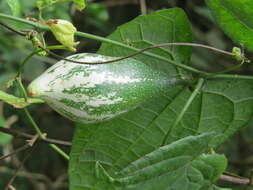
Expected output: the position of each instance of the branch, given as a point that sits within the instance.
(9, 183)
(235, 180)
(143, 7)
(26, 146)
(28, 136)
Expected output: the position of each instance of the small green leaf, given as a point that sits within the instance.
(64, 32)
(235, 18)
(80, 4)
(15, 7)
(237, 53)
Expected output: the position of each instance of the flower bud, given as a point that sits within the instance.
(64, 32)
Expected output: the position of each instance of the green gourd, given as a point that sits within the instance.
(91, 93)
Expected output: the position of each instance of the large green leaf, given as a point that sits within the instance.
(220, 107)
(184, 169)
(223, 106)
(235, 18)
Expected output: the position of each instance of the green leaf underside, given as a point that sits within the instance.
(235, 18)
(117, 143)
(14, 6)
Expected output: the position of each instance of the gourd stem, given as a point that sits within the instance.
(185, 108)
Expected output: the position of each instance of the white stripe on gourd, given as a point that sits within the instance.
(94, 93)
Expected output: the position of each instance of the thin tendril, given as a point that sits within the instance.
(141, 51)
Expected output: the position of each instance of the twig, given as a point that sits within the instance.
(11, 120)
(35, 176)
(12, 188)
(251, 177)
(29, 144)
(59, 181)
(16, 133)
(26, 146)
(235, 180)
(20, 166)
(143, 6)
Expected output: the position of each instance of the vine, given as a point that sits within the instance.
(203, 74)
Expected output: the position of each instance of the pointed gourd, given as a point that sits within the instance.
(91, 93)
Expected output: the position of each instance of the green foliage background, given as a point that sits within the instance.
(102, 19)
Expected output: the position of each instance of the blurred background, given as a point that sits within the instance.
(45, 169)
